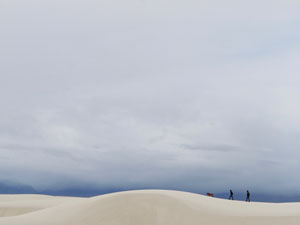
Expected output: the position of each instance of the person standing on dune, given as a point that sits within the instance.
(248, 196)
(231, 195)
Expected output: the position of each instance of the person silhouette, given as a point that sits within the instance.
(248, 196)
(231, 195)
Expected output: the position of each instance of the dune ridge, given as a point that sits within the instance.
(144, 207)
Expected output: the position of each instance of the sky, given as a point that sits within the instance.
(189, 95)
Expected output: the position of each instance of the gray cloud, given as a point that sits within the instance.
(189, 95)
(213, 147)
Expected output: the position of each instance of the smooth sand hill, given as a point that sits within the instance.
(149, 207)
(12, 205)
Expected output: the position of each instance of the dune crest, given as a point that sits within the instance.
(146, 207)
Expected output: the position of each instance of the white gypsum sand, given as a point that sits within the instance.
(146, 207)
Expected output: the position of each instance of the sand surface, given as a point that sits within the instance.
(149, 207)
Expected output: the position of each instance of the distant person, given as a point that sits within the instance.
(248, 196)
(231, 195)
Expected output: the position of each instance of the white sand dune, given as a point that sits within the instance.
(12, 205)
(147, 207)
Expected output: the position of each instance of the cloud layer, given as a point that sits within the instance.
(167, 94)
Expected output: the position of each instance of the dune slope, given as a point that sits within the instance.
(148, 207)
(12, 205)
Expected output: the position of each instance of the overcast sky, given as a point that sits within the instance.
(191, 95)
